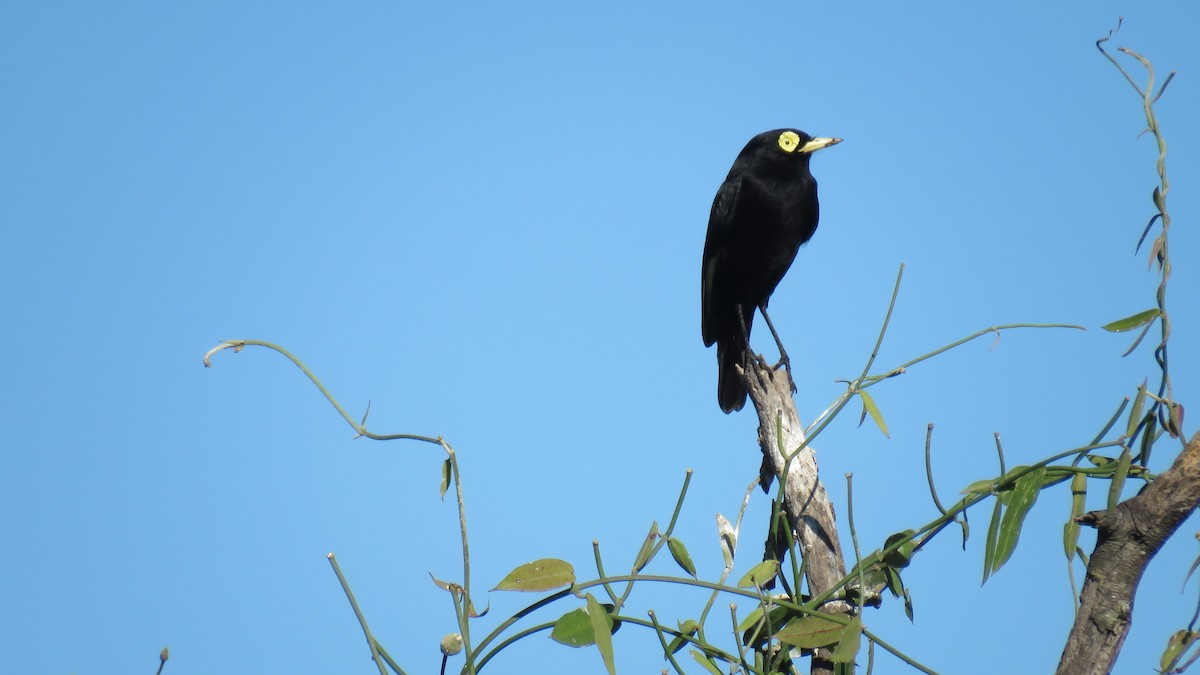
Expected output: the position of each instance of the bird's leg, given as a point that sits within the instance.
(750, 353)
(783, 357)
(746, 336)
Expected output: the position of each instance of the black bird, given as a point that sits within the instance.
(764, 211)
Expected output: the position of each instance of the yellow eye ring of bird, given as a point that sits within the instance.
(789, 141)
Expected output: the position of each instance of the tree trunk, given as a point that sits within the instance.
(1128, 537)
(809, 512)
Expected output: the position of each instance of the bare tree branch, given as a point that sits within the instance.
(809, 511)
(1129, 536)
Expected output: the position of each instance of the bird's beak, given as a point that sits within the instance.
(818, 143)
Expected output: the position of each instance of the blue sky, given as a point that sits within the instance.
(487, 221)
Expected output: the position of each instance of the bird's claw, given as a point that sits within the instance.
(786, 364)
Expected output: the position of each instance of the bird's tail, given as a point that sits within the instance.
(731, 393)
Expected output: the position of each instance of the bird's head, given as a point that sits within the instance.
(784, 146)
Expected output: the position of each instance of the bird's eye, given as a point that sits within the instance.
(789, 141)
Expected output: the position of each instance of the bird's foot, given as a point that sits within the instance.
(786, 364)
(761, 366)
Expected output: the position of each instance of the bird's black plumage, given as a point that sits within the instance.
(763, 212)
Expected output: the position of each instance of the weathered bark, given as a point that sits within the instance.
(1128, 538)
(806, 503)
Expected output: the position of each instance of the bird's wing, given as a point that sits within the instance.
(720, 220)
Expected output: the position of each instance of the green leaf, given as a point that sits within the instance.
(445, 478)
(979, 487)
(574, 629)
(908, 606)
(1177, 645)
(1156, 252)
(1024, 495)
(539, 575)
(444, 585)
(811, 632)
(601, 625)
(848, 642)
(1078, 502)
(1131, 322)
(680, 553)
(1174, 648)
(1118, 479)
(759, 574)
(1175, 417)
(1149, 435)
(755, 628)
(689, 628)
(705, 661)
(989, 543)
(894, 583)
(1138, 340)
(647, 549)
(1135, 415)
(474, 614)
(873, 410)
(901, 556)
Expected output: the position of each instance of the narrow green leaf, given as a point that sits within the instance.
(1149, 435)
(1111, 421)
(873, 411)
(705, 661)
(989, 543)
(471, 612)
(1131, 322)
(1024, 495)
(444, 585)
(1175, 417)
(908, 605)
(979, 487)
(759, 574)
(752, 618)
(756, 627)
(1156, 252)
(894, 583)
(1135, 415)
(643, 555)
(900, 557)
(688, 628)
(1142, 239)
(1078, 503)
(601, 625)
(811, 632)
(1118, 479)
(680, 553)
(445, 478)
(1138, 340)
(849, 642)
(539, 575)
